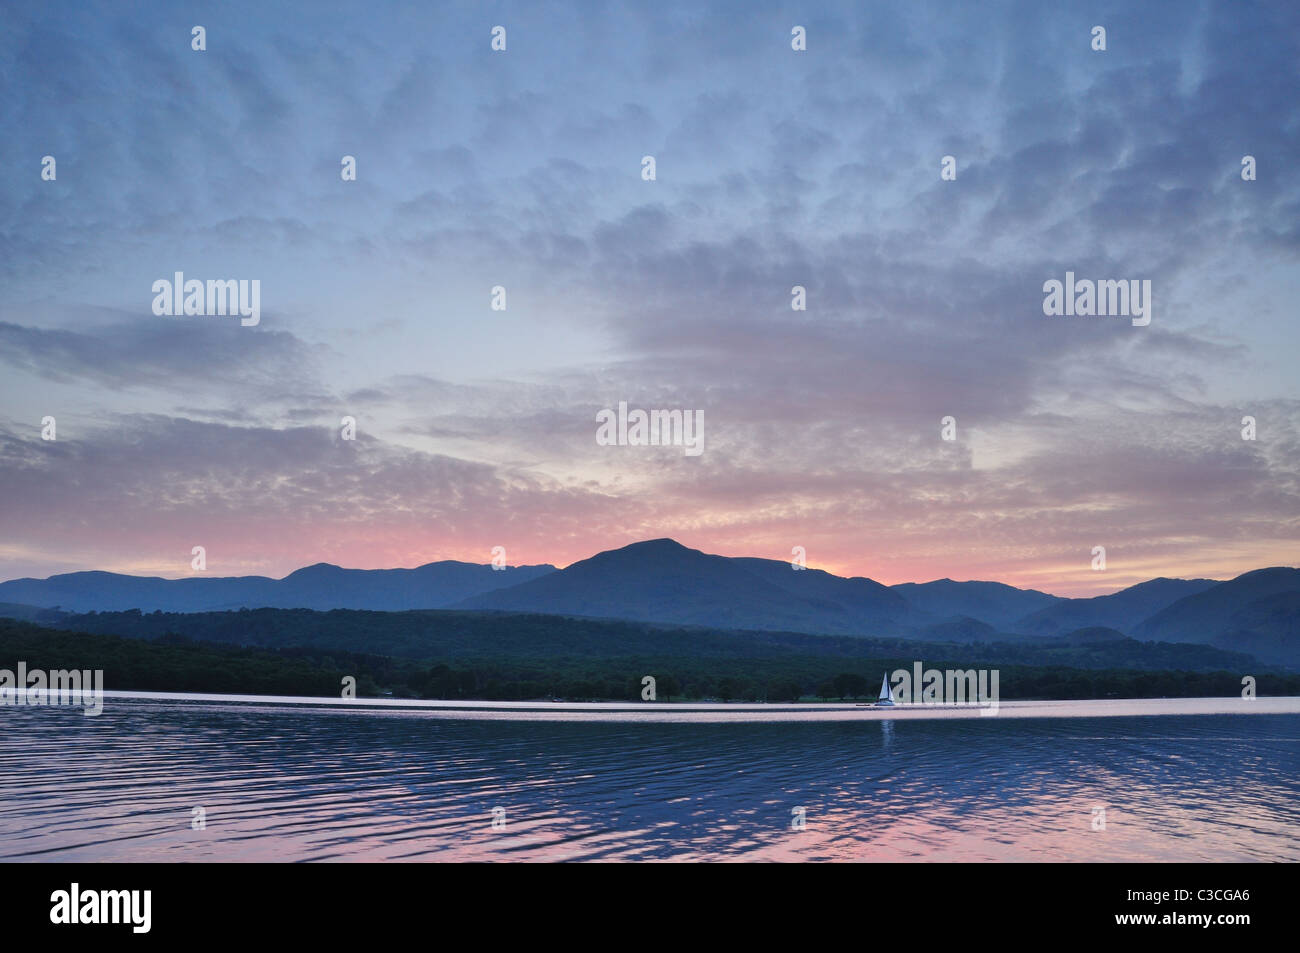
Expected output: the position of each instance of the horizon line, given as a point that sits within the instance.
(1217, 578)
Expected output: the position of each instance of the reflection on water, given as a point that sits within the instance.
(281, 783)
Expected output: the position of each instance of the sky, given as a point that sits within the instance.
(523, 168)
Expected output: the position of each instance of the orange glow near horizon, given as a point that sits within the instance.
(392, 551)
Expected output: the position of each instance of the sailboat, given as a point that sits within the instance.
(886, 699)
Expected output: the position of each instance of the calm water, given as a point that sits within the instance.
(308, 783)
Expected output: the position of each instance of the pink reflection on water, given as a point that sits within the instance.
(295, 782)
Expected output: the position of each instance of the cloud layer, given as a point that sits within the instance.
(522, 169)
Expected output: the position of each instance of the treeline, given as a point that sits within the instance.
(446, 635)
(176, 663)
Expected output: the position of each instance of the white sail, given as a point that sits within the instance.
(885, 694)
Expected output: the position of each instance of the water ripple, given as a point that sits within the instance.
(315, 784)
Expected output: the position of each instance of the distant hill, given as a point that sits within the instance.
(996, 603)
(1207, 615)
(524, 638)
(1124, 610)
(663, 581)
(1268, 628)
(12, 610)
(865, 599)
(962, 629)
(1093, 635)
(321, 586)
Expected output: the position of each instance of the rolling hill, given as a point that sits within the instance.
(321, 586)
(664, 582)
(995, 603)
(1208, 615)
(1124, 610)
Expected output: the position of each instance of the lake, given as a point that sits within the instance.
(330, 782)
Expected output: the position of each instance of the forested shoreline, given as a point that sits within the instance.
(175, 662)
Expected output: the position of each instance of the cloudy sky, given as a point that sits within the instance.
(774, 168)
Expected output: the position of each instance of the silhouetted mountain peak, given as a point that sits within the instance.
(663, 581)
(660, 580)
(648, 549)
(315, 569)
(663, 544)
(1286, 573)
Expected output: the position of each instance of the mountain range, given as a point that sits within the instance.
(321, 586)
(661, 581)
